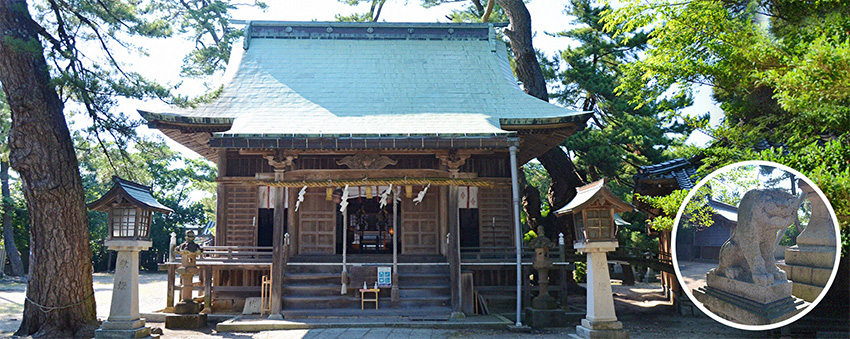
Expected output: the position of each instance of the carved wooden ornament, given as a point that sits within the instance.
(366, 161)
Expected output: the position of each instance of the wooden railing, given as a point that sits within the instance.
(247, 254)
(218, 259)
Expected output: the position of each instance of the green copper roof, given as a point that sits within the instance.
(330, 79)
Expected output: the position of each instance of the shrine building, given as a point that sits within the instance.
(424, 123)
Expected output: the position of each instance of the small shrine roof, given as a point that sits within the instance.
(680, 169)
(725, 211)
(590, 193)
(385, 80)
(138, 194)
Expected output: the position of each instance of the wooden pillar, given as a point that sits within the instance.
(394, 291)
(208, 289)
(454, 253)
(278, 264)
(221, 202)
(169, 299)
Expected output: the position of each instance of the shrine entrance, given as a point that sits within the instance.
(370, 227)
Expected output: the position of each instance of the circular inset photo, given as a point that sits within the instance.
(755, 245)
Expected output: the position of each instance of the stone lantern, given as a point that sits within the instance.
(129, 206)
(592, 211)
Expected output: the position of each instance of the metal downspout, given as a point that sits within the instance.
(517, 227)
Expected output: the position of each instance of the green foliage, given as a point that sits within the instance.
(697, 211)
(529, 236)
(207, 24)
(580, 273)
(85, 40)
(779, 68)
(537, 176)
(622, 135)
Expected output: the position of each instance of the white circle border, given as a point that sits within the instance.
(730, 323)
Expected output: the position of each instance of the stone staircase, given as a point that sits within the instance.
(314, 289)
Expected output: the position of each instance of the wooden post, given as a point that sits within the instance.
(454, 256)
(221, 201)
(169, 299)
(208, 289)
(394, 290)
(277, 256)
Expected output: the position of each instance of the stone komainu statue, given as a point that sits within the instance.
(748, 254)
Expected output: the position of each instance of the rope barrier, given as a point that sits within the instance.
(379, 182)
(46, 309)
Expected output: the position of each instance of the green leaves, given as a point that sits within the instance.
(631, 127)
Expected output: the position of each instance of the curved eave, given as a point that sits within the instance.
(186, 123)
(516, 124)
(588, 198)
(539, 135)
(103, 203)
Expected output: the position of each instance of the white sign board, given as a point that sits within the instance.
(385, 276)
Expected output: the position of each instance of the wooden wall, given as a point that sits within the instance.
(420, 225)
(240, 211)
(317, 223)
(496, 203)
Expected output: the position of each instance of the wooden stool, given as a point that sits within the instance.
(265, 295)
(363, 299)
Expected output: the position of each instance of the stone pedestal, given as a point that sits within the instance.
(124, 320)
(537, 318)
(809, 264)
(185, 321)
(745, 311)
(601, 320)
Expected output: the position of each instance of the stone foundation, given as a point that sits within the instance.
(545, 318)
(185, 321)
(745, 311)
(601, 330)
(760, 294)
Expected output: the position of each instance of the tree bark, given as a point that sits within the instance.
(8, 229)
(559, 166)
(42, 152)
(562, 172)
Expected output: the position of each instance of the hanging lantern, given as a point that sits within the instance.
(592, 211)
(129, 206)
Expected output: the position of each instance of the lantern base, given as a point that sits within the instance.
(545, 318)
(600, 329)
(117, 244)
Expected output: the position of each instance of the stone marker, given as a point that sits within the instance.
(252, 305)
(809, 263)
(747, 287)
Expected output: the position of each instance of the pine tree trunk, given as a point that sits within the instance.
(559, 166)
(561, 170)
(8, 229)
(42, 152)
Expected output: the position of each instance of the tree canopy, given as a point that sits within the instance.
(778, 68)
